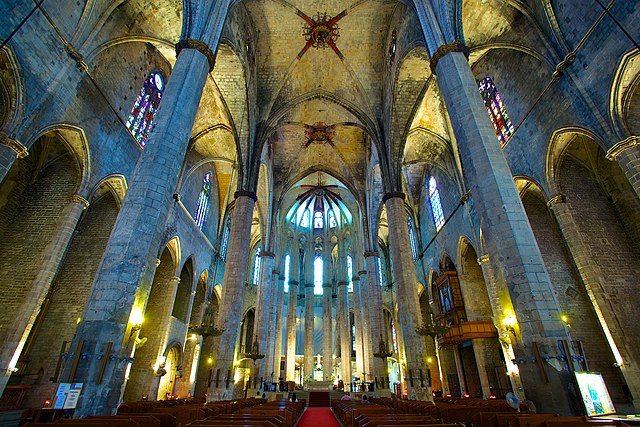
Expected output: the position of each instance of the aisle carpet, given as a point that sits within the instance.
(318, 417)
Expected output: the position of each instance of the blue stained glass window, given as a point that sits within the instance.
(318, 220)
(140, 121)
(304, 223)
(317, 276)
(496, 109)
(287, 264)
(412, 238)
(381, 272)
(203, 201)
(436, 206)
(350, 273)
(224, 243)
(332, 220)
(256, 266)
(394, 337)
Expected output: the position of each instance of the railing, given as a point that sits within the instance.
(467, 331)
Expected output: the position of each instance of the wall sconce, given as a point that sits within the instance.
(565, 320)
(509, 323)
(135, 320)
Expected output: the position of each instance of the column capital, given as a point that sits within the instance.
(342, 283)
(201, 47)
(393, 195)
(79, 200)
(293, 283)
(308, 285)
(558, 198)
(174, 279)
(445, 49)
(275, 272)
(355, 279)
(243, 193)
(14, 144)
(371, 253)
(362, 272)
(327, 285)
(267, 254)
(621, 146)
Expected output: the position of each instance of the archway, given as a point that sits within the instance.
(63, 307)
(170, 364)
(142, 381)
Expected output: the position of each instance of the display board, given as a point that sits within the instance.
(594, 393)
(66, 396)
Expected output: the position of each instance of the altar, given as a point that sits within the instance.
(318, 385)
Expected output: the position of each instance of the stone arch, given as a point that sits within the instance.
(569, 290)
(600, 223)
(182, 300)
(171, 365)
(67, 296)
(560, 141)
(11, 92)
(157, 316)
(35, 201)
(624, 102)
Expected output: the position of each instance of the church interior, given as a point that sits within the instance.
(413, 199)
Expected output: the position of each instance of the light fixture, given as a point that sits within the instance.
(565, 320)
(509, 323)
(135, 320)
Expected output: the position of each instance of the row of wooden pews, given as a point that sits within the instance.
(195, 413)
(486, 413)
(359, 414)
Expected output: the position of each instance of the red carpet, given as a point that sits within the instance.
(318, 417)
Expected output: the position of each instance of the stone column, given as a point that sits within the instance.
(357, 319)
(345, 333)
(264, 304)
(502, 218)
(291, 330)
(627, 154)
(123, 280)
(376, 313)
(279, 325)
(500, 301)
(327, 328)
(365, 314)
(308, 328)
(230, 312)
(592, 278)
(10, 150)
(404, 277)
(192, 353)
(24, 319)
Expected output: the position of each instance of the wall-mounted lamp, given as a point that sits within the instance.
(565, 320)
(135, 320)
(509, 323)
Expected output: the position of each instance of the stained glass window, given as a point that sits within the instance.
(350, 273)
(353, 337)
(332, 220)
(496, 109)
(256, 266)
(224, 242)
(287, 264)
(412, 238)
(394, 337)
(317, 276)
(318, 220)
(140, 121)
(381, 272)
(434, 201)
(392, 47)
(203, 201)
(304, 223)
